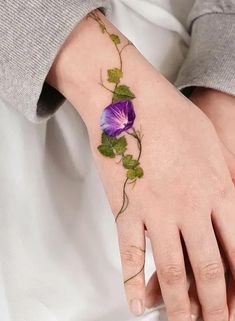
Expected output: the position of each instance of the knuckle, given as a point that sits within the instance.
(222, 189)
(211, 272)
(223, 192)
(182, 314)
(132, 256)
(219, 311)
(172, 273)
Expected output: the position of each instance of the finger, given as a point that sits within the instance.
(223, 218)
(208, 271)
(231, 298)
(169, 260)
(194, 301)
(153, 292)
(196, 311)
(132, 249)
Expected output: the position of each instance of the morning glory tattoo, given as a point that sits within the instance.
(117, 120)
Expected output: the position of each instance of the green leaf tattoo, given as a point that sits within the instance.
(115, 39)
(120, 146)
(118, 118)
(128, 162)
(108, 140)
(112, 146)
(114, 75)
(134, 173)
(122, 92)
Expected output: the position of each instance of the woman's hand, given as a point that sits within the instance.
(220, 109)
(154, 296)
(182, 184)
(186, 187)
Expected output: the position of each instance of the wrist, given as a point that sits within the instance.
(85, 58)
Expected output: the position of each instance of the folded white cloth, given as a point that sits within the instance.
(59, 257)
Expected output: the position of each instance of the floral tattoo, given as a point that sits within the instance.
(118, 119)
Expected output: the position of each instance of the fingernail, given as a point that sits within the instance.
(232, 317)
(137, 307)
(194, 317)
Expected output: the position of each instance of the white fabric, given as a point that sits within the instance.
(59, 258)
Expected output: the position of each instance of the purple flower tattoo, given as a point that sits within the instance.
(117, 121)
(117, 117)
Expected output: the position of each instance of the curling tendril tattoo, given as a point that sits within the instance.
(118, 118)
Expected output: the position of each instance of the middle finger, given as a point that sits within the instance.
(205, 258)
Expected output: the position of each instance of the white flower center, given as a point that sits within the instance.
(122, 119)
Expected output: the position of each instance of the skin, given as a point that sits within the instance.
(220, 109)
(154, 296)
(186, 185)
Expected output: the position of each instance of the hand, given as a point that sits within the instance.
(183, 185)
(220, 109)
(188, 190)
(154, 296)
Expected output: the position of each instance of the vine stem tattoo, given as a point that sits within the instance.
(118, 118)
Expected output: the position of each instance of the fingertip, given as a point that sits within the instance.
(194, 302)
(137, 307)
(232, 317)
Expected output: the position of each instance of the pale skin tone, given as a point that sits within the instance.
(220, 109)
(186, 184)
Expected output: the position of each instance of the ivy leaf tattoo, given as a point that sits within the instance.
(120, 146)
(106, 151)
(129, 162)
(134, 173)
(115, 39)
(118, 119)
(114, 75)
(122, 92)
(108, 140)
(112, 146)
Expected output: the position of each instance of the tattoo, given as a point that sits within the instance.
(138, 248)
(118, 118)
(142, 251)
(132, 277)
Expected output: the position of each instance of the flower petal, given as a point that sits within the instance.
(117, 117)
